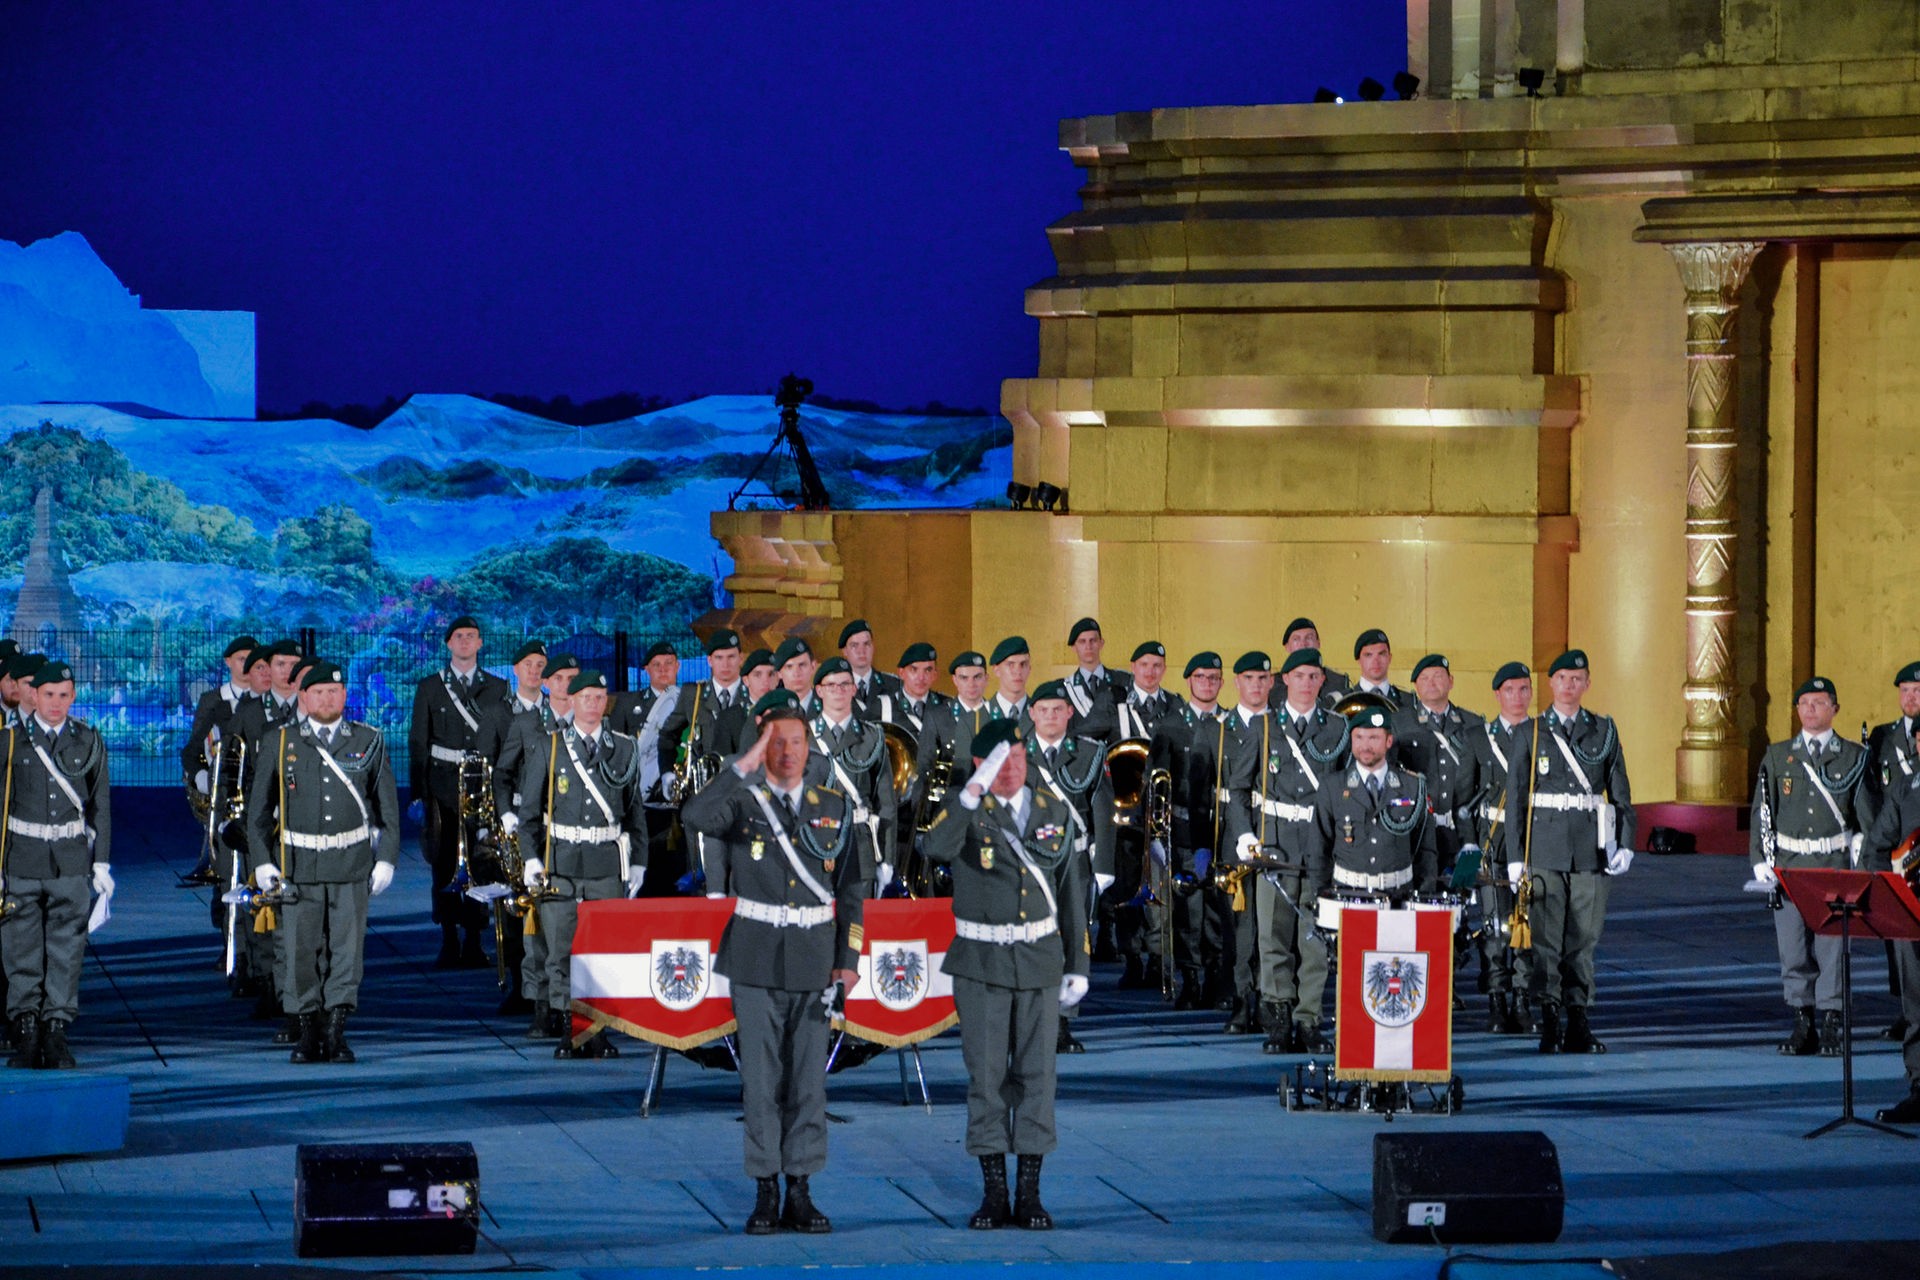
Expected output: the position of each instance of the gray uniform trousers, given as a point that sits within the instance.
(322, 946)
(1906, 960)
(559, 917)
(1501, 967)
(1293, 960)
(1007, 1040)
(1566, 914)
(46, 943)
(1809, 963)
(533, 961)
(783, 1079)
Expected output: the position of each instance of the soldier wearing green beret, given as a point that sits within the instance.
(1134, 910)
(57, 844)
(1301, 633)
(1374, 652)
(1012, 666)
(1373, 829)
(1095, 690)
(254, 722)
(1570, 826)
(917, 707)
(22, 669)
(512, 777)
(795, 662)
(1505, 972)
(1019, 957)
(710, 718)
(9, 695)
(952, 723)
(280, 704)
(869, 685)
(1894, 763)
(854, 753)
(759, 676)
(1433, 738)
(1810, 810)
(216, 710)
(1899, 815)
(1189, 743)
(1072, 769)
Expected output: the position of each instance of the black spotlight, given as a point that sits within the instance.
(1019, 494)
(1048, 495)
(1372, 90)
(1324, 94)
(1406, 84)
(1531, 78)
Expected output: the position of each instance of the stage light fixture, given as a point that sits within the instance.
(1372, 90)
(1047, 495)
(1019, 494)
(1406, 84)
(1531, 78)
(1324, 94)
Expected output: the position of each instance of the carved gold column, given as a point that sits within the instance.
(1711, 764)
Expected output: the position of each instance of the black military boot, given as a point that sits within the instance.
(994, 1211)
(1831, 1034)
(288, 1032)
(311, 1047)
(1246, 1015)
(1278, 1015)
(449, 956)
(1065, 1042)
(799, 1214)
(1028, 1213)
(1134, 976)
(1895, 1032)
(1549, 1027)
(537, 1029)
(597, 1046)
(1905, 1111)
(1192, 991)
(765, 1218)
(1579, 1034)
(26, 1041)
(336, 1048)
(54, 1054)
(1497, 1013)
(1308, 1038)
(1803, 1039)
(1523, 1023)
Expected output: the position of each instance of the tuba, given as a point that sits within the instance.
(1362, 700)
(903, 755)
(1127, 762)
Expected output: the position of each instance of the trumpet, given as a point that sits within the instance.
(692, 769)
(1159, 815)
(233, 825)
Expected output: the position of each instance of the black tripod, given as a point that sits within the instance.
(793, 393)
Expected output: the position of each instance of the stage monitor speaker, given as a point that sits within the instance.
(1466, 1188)
(368, 1199)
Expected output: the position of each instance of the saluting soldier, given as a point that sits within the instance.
(1809, 807)
(1073, 769)
(1504, 972)
(324, 826)
(581, 811)
(512, 776)
(1893, 764)
(1018, 962)
(59, 841)
(855, 755)
(1094, 689)
(1899, 815)
(1136, 923)
(869, 685)
(1570, 825)
(1373, 830)
(1189, 744)
(447, 716)
(1012, 665)
(784, 848)
(1374, 653)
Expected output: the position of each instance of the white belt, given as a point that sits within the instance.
(1360, 880)
(341, 840)
(1288, 812)
(451, 755)
(1826, 844)
(1005, 935)
(782, 916)
(585, 835)
(1224, 795)
(73, 830)
(1591, 803)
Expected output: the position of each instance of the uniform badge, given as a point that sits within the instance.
(986, 857)
(1786, 785)
(563, 786)
(1346, 829)
(1543, 766)
(828, 864)
(758, 849)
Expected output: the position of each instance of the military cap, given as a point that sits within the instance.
(776, 700)
(9, 647)
(659, 649)
(853, 629)
(255, 656)
(284, 649)
(1366, 717)
(1150, 649)
(1571, 660)
(1818, 684)
(724, 638)
(1205, 660)
(992, 734)
(1431, 660)
(831, 667)
(918, 651)
(1512, 671)
(1081, 627)
(1298, 624)
(1302, 658)
(1011, 647)
(528, 649)
(790, 648)
(1372, 635)
(1908, 673)
(755, 660)
(50, 671)
(463, 621)
(562, 662)
(239, 644)
(1048, 691)
(301, 667)
(322, 673)
(584, 681)
(1253, 660)
(970, 658)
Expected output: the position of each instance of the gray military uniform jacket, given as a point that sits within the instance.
(1893, 763)
(867, 695)
(864, 773)
(321, 822)
(993, 886)
(1568, 808)
(1079, 777)
(1493, 744)
(562, 820)
(443, 706)
(1808, 806)
(1273, 776)
(950, 730)
(1440, 749)
(1190, 745)
(746, 858)
(1367, 843)
(1898, 818)
(48, 835)
(1096, 698)
(717, 730)
(518, 738)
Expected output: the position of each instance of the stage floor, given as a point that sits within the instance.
(1685, 1139)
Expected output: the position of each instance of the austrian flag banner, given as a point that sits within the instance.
(904, 995)
(645, 966)
(1394, 1012)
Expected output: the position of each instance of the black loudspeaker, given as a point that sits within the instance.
(1466, 1188)
(361, 1199)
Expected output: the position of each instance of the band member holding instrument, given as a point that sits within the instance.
(1136, 924)
(1374, 653)
(1095, 690)
(1893, 827)
(1187, 743)
(1505, 969)
(1433, 738)
(709, 721)
(512, 778)
(854, 752)
(527, 703)
(216, 709)
(1073, 770)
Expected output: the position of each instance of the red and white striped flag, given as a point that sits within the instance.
(1394, 1009)
(645, 966)
(904, 995)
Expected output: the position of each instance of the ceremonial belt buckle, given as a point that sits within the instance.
(1286, 811)
(1567, 802)
(1824, 844)
(1443, 820)
(585, 835)
(1005, 935)
(69, 830)
(783, 915)
(446, 755)
(339, 840)
(1361, 880)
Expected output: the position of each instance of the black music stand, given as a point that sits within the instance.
(1872, 904)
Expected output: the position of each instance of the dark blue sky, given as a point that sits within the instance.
(663, 198)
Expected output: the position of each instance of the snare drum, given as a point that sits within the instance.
(1326, 912)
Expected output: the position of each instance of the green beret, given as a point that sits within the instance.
(831, 667)
(1511, 671)
(992, 734)
(1298, 624)
(26, 664)
(1252, 660)
(659, 649)
(302, 666)
(1081, 627)
(790, 648)
(722, 639)
(1908, 673)
(1571, 660)
(322, 673)
(1818, 684)
(970, 658)
(586, 680)
(1372, 635)
(755, 660)
(1431, 660)
(1011, 647)
(1302, 658)
(1368, 717)
(1151, 649)
(776, 700)
(239, 644)
(1048, 691)
(918, 651)
(853, 629)
(255, 656)
(50, 671)
(562, 662)
(284, 649)
(1205, 660)
(9, 648)
(528, 649)
(465, 620)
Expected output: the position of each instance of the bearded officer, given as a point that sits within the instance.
(785, 848)
(324, 826)
(1019, 960)
(1073, 770)
(1373, 830)
(1570, 825)
(1899, 815)
(869, 685)
(1188, 743)
(1505, 971)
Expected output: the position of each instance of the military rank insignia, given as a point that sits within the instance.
(1049, 832)
(758, 849)
(825, 823)
(1543, 766)
(986, 855)
(1786, 783)
(563, 786)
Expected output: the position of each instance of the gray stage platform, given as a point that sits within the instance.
(1685, 1139)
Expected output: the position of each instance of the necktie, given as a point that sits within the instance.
(1053, 757)
(593, 748)
(792, 806)
(1373, 785)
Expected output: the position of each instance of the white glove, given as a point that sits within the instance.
(716, 894)
(480, 834)
(829, 998)
(102, 880)
(1618, 862)
(1101, 883)
(382, 877)
(882, 877)
(267, 876)
(1765, 876)
(635, 877)
(1247, 847)
(983, 776)
(202, 783)
(509, 823)
(533, 873)
(1515, 871)
(1854, 848)
(1158, 852)
(1073, 989)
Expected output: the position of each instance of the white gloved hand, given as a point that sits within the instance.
(716, 894)
(1247, 847)
(635, 877)
(480, 834)
(509, 823)
(382, 877)
(1515, 871)
(267, 877)
(1101, 883)
(202, 783)
(1854, 848)
(102, 880)
(1073, 989)
(533, 873)
(882, 877)
(1766, 875)
(1158, 852)
(983, 777)
(829, 998)
(1618, 862)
